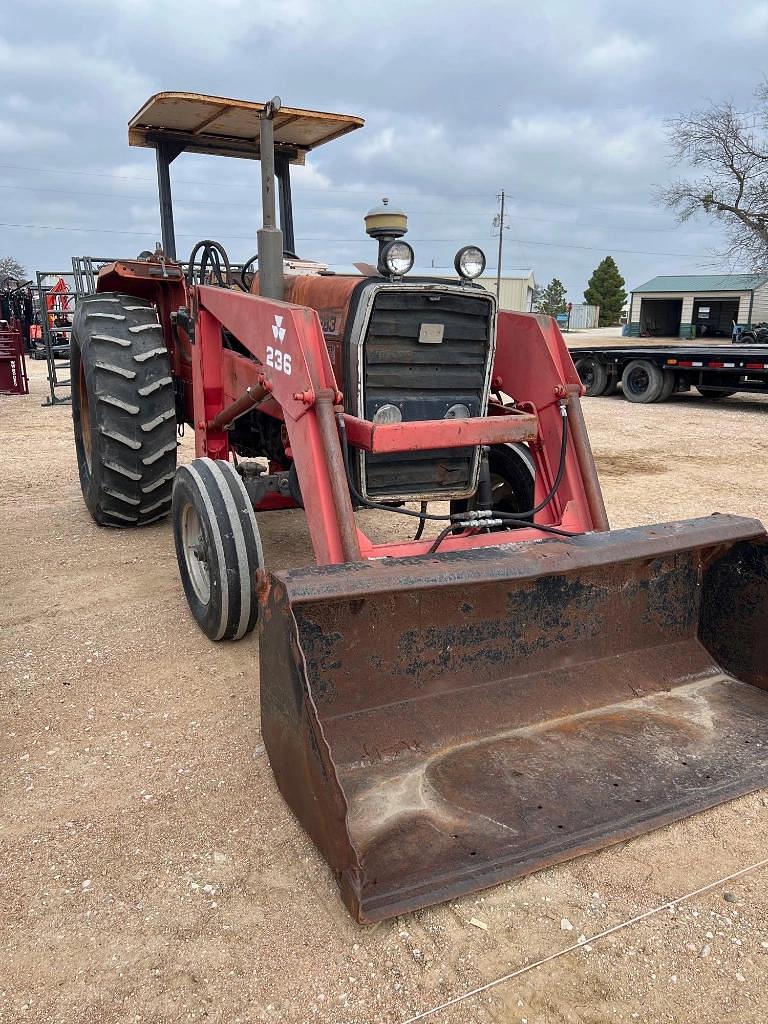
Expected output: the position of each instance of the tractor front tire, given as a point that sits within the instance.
(513, 474)
(218, 547)
(123, 410)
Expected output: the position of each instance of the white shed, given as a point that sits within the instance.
(516, 293)
(698, 305)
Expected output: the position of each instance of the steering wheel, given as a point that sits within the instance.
(213, 255)
(254, 260)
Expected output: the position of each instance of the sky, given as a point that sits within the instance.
(561, 104)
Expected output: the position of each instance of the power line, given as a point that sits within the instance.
(235, 205)
(125, 195)
(249, 185)
(345, 241)
(602, 248)
(362, 192)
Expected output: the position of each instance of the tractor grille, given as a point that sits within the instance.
(425, 380)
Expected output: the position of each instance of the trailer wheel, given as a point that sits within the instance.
(593, 375)
(706, 392)
(669, 385)
(123, 410)
(512, 481)
(643, 381)
(218, 547)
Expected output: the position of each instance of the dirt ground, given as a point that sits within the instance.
(149, 870)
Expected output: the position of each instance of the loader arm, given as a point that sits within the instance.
(292, 364)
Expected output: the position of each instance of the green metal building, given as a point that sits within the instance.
(697, 305)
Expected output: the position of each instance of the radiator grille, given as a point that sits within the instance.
(424, 381)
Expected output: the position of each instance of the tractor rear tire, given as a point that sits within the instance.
(643, 382)
(123, 410)
(217, 547)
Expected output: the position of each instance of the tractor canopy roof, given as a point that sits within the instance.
(224, 127)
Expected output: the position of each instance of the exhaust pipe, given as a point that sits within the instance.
(269, 235)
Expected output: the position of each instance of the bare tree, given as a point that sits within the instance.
(9, 267)
(728, 149)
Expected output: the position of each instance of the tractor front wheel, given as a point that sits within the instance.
(513, 472)
(218, 547)
(123, 410)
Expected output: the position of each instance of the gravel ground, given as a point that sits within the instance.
(149, 870)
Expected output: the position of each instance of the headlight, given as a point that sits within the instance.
(387, 414)
(396, 258)
(469, 262)
(458, 412)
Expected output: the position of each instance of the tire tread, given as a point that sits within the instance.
(133, 427)
(218, 495)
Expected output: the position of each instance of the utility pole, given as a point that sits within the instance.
(498, 222)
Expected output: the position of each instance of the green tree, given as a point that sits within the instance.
(606, 289)
(551, 300)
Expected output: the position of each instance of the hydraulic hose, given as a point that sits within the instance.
(558, 477)
(213, 253)
(510, 518)
(422, 524)
(512, 524)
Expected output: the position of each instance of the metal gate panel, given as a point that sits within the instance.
(13, 368)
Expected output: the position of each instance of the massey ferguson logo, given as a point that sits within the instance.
(276, 358)
(278, 331)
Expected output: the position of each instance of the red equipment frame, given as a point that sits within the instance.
(13, 366)
(294, 381)
(59, 301)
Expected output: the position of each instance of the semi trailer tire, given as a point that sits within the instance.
(218, 547)
(593, 375)
(669, 385)
(123, 410)
(706, 392)
(512, 472)
(643, 381)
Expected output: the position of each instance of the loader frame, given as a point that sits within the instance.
(291, 377)
(288, 374)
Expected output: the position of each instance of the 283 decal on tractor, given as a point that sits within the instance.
(521, 686)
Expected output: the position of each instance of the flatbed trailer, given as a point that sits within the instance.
(652, 373)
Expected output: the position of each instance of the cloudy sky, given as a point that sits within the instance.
(560, 103)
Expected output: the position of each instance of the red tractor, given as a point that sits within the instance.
(442, 713)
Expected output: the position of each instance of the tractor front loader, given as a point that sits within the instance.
(514, 686)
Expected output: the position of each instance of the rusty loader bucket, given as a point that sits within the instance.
(443, 723)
